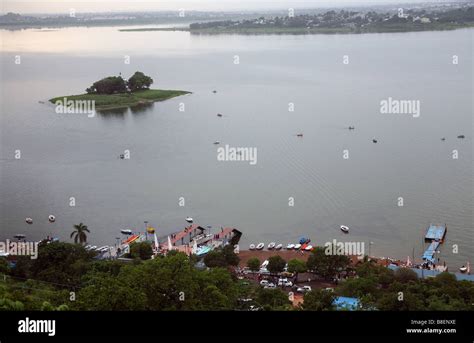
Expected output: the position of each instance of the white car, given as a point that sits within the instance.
(264, 283)
(303, 289)
(270, 285)
(288, 284)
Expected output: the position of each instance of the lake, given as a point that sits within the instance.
(173, 155)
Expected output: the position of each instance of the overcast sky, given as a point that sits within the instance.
(63, 6)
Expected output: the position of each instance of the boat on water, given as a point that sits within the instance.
(297, 246)
(463, 269)
(344, 228)
(29, 220)
(351, 127)
(217, 142)
(299, 135)
(308, 248)
(260, 246)
(189, 219)
(203, 250)
(19, 236)
(51, 218)
(461, 136)
(126, 232)
(279, 246)
(374, 140)
(290, 246)
(252, 247)
(271, 245)
(219, 115)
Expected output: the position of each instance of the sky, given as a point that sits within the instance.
(64, 6)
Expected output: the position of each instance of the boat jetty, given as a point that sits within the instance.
(435, 236)
(192, 239)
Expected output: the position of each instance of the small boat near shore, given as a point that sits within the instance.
(308, 248)
(279, 246)
(271, 245)
(297, 246)
(189, 219)
(290, 246)
(299, 135)
(19, 236)
(463, 269)
(344, 228)
(126, 231)
(51, 218)
(252, 246)
(260, 246)
(29, 220)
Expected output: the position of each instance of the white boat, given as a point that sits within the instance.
(463, 269)
(29, 220)
(189, 219)
(126, 232)
(260, 246)
(271, 245)
(297, 246)
(264, 264)
(279, 246)
(344, 229)
(51, 218)
(290, 246)
(308, 248)
(252, 247)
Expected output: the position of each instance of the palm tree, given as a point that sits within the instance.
(79, 233)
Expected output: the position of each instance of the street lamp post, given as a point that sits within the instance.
(146, 229)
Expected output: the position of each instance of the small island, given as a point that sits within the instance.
(114, 92)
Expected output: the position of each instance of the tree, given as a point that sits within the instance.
(139, 81)
(214, 259)
(79, 233)
(405, 275)
(222, 257)
(318, 300)
(231, 257)
(272, 299)
(108, 85)
(327, 265)
(296, 266)
(276, 264)
(141, 250)
(253, 264)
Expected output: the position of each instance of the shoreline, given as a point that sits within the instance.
(104, 102)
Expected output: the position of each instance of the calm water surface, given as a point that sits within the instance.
(172, 152)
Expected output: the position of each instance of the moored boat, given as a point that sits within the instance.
(344, 228)
(279, 246)
(271, 245)
(252, 247)
(290, 246)
(260, 246)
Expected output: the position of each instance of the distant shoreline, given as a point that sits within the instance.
(305, 31)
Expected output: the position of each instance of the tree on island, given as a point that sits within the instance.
(116, 84)
(139, 81)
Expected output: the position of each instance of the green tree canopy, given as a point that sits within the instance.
(139, 81)
(318, 300)
(253, 264)
(141, 250)
(276, 264)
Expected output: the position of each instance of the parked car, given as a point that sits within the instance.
(270, 285)
(288, 284)
(263, 282)
(303, 289)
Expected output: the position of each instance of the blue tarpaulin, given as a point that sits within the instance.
(346, 303)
